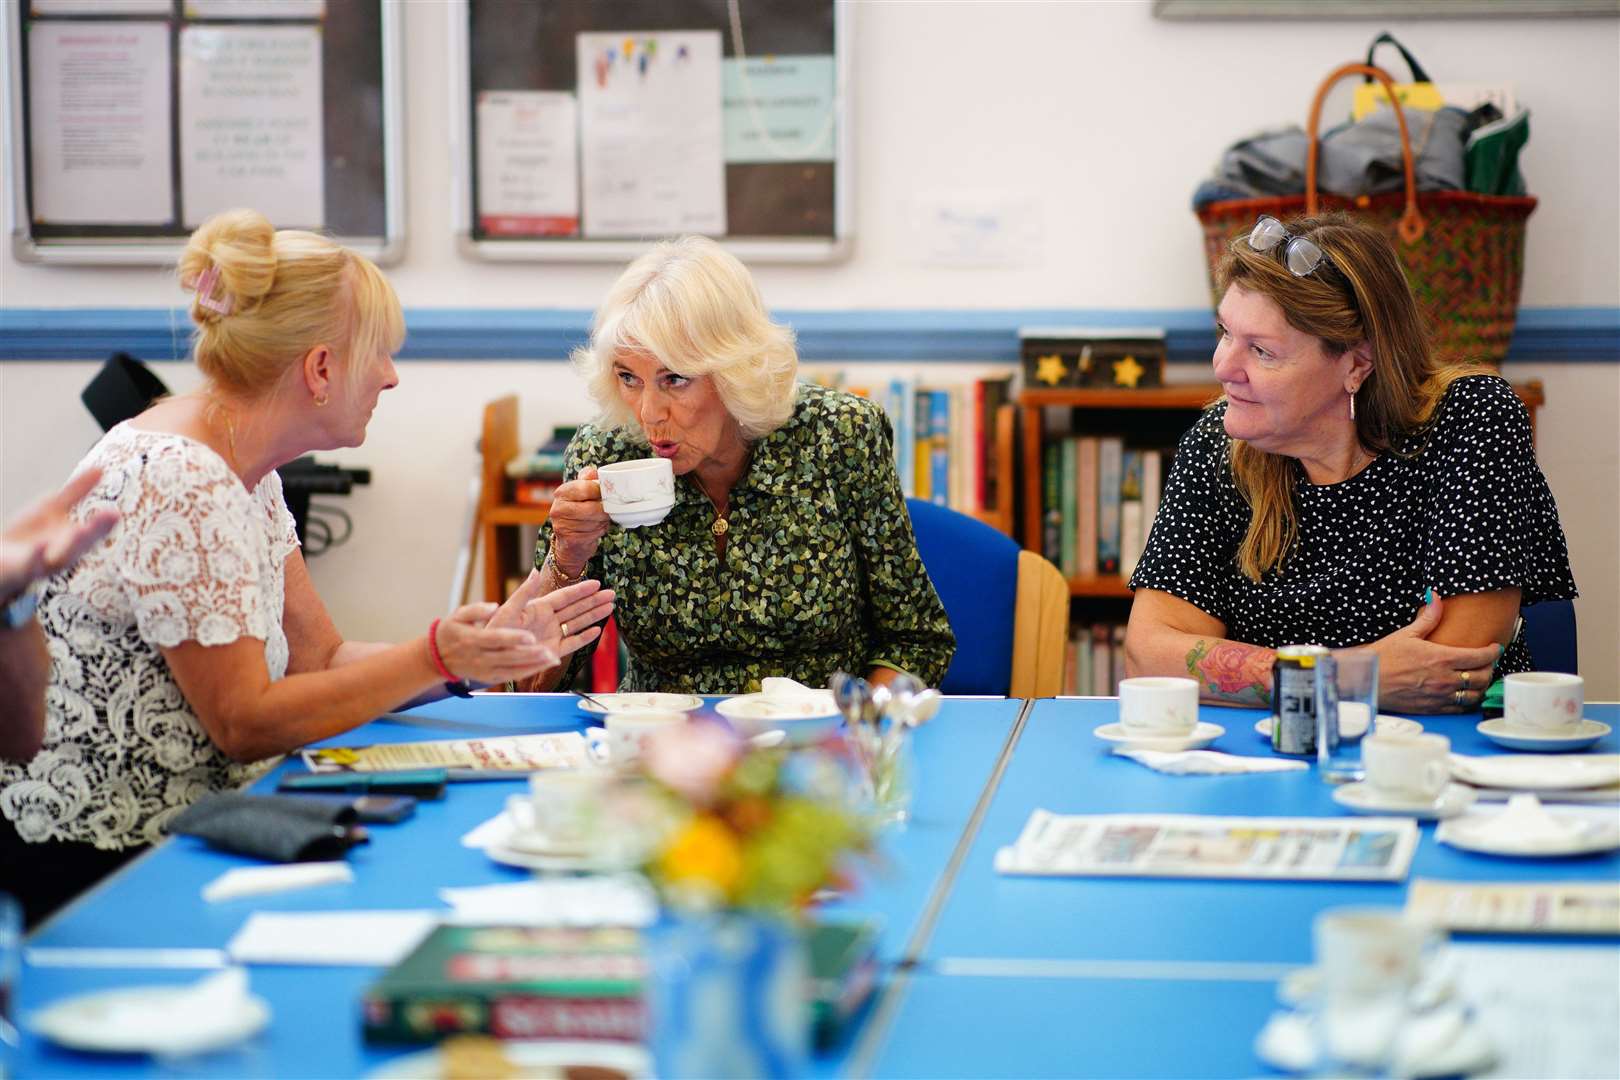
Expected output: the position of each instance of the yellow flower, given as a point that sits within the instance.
(705, 852)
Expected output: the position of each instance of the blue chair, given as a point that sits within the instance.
(1009, 608)
(1549, 631)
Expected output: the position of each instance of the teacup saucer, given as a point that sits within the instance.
(1364, 798)
(1526, 829)
(606, 703)
(1537, 740)
(1198, 738)
(1443, 1042)
(1383, 725)
(531, 842)
(577, 863)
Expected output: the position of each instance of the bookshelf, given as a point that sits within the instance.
(1111, 409)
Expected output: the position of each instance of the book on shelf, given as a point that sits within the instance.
(1052, 519)
(1110, 451)
(944, 436)
(1067, 492)
(1085, 558)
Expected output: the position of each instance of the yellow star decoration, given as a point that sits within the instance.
(1128, 372)
(1050, 369)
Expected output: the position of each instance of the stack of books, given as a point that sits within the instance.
(1094, 662)
(1099, 501)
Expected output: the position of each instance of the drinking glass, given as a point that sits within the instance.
(1346, 709)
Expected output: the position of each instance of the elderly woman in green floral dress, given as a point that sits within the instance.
(789, 550)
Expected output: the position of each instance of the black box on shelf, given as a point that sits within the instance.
(1057, 357)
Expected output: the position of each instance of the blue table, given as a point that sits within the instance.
(155, 901)
(1059, 765)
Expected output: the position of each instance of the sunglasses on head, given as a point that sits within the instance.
(1300, 255)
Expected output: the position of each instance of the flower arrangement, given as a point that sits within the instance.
(738, 826)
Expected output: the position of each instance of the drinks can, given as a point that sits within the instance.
(1293, 699)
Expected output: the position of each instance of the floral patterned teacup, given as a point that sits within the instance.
(1543, 700)
(1158, 705)
(637, 492)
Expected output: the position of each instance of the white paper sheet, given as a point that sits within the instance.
(779, 108)
(100, 7)
(243, 881)
(250, 123)
(99, 105)
(1550, 1010)
(528, 163)
(255, 9)
(651, 133)
(596, 900)
(330, 938)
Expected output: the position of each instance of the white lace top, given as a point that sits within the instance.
(197, 557)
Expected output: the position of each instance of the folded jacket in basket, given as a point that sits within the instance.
(271, 827)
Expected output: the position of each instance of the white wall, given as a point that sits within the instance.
(1099, 117)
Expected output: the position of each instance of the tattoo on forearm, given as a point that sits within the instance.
(1232, 672)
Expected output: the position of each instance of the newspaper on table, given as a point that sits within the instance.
(1492, 907)
(506, 753)
(1203, 846)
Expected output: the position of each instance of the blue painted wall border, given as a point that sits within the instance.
(1583, 334)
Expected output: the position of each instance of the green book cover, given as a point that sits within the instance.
(1066, 499)
(514, 983)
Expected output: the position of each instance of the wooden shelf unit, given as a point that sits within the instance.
(1192, 397)
(498, 517)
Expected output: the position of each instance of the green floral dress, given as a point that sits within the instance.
(820, 571)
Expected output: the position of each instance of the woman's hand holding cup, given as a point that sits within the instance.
(578, 522)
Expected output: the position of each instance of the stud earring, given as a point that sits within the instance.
(322, 399)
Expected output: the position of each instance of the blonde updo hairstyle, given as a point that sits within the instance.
(284, 292)
(693, 307)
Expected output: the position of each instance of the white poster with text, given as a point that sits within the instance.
(651, 133)
(99, 115)
(250, 123)
(528, 163)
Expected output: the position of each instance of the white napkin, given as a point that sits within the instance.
(330, 938)
(780, 687)
(603, 900)
(260, 880)
(172, 1021)
(1205, 762)
(499, 829)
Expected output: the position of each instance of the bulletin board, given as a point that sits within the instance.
(583, 129)
(130, 122)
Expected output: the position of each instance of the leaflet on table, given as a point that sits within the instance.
(506, 753)
(1483, 907)
(1194, 845)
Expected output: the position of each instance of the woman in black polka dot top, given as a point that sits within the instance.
(1348, 489)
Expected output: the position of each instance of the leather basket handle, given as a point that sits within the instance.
(1411, 225)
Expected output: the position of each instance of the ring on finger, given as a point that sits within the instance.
(1460, 698)
(1465, 677)
(565, 629)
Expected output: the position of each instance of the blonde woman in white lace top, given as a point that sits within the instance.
(189, 649)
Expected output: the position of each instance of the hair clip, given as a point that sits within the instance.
(205, 289)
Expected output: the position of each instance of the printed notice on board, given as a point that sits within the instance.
(255, 9)
(779, 108)
(100, 7)
(651, 133)
(99, 106)
(250, 123)
(528, 163)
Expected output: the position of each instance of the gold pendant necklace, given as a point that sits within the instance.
(720, 526)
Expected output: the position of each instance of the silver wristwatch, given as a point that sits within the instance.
(18, 613)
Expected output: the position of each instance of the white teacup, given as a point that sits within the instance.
(1408, 766)
(628, 729)
(1160, 706)
(1543, 700)
(561, 812)
(1364, 952)
(636, 493)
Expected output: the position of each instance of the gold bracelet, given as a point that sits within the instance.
(558, 578)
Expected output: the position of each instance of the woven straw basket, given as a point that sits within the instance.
(1463, 253)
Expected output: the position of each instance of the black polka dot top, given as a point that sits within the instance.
(1463, 507)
